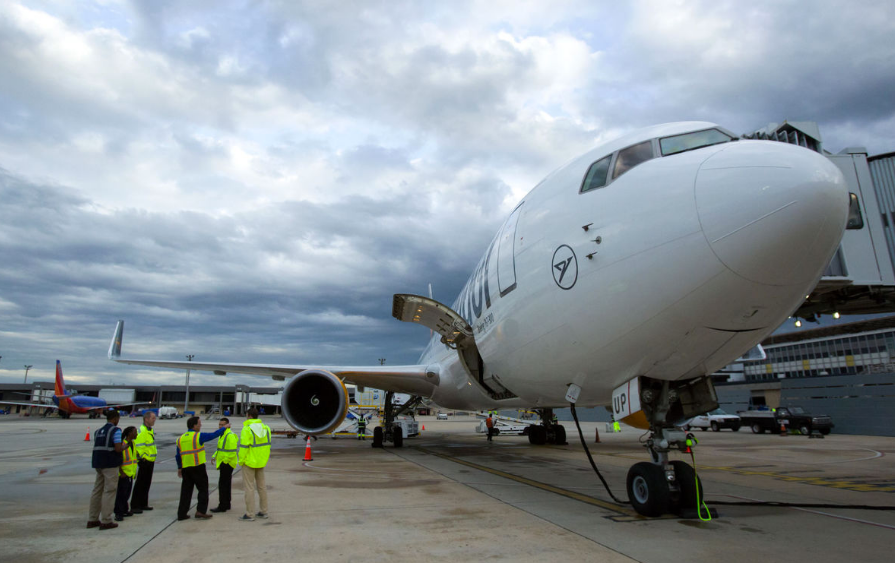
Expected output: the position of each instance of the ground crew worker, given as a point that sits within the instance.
(616, 427)
(190, 458)
(126, 474)
(225, 461)
(361, 428)
(254, 451)
(146, 454)
(489, 424)
(107, 448)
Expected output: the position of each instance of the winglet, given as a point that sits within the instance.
(115, 346)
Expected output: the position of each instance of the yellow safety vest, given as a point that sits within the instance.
(228, 446)
(145, 444)
(191, 452)
(254, 451)
(129, 465)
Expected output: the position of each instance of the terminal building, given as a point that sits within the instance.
(202, 399)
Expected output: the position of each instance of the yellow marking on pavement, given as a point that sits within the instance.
(819, 481)
(543, 486)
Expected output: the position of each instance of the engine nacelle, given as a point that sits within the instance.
(315, 402)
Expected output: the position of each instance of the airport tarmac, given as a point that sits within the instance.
(448, 495)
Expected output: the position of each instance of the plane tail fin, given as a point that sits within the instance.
(115, 346)
(60, 383)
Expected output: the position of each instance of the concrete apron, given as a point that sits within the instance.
(353, 502)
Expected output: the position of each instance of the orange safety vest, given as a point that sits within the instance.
(129, 466)
(191, 452)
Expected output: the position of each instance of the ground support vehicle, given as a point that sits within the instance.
(786, 419)
(716, 420)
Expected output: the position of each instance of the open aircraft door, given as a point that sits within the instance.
(455, 333)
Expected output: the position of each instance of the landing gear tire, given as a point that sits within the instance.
(715, 427)
(559, 433)
(377, 437)
(735, 428)
(804, 430)
(757, 429)
(687, 482)
(537, 435)
(647, 489)
(398, 437)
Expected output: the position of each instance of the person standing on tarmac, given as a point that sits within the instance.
(254, 451)
(107, 448)
(190, 458)
(489, 424)
(361, 427)
(146, 454)
(225, 460)
(126, 474)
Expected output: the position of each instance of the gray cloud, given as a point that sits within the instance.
(253, 181)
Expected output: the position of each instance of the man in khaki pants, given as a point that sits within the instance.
(107, 448)
(254, 451)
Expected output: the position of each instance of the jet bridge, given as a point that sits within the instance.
(861, 277)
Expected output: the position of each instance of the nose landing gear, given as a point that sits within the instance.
(661, 486)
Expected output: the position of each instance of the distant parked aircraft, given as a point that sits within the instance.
(73, 404)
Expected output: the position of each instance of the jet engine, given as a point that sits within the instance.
(315, 401)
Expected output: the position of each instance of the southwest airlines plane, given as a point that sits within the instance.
(625, 278)
(69, 404)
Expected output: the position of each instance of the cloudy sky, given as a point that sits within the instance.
(252, 181)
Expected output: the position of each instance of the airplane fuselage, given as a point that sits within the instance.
(671, 270)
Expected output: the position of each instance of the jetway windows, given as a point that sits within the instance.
(691, 141)
(632, 156)
(855, 219)
(596, 175)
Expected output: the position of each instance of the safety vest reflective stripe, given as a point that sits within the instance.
(145, 444)
(223, 450)
(198, 451)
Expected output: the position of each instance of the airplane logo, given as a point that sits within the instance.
(565, 267)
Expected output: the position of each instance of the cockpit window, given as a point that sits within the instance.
(597, 175)
(690, 141)
(632, 156)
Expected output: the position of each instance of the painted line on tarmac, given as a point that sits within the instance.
(836, 516)
(539, 485)
(888, 487)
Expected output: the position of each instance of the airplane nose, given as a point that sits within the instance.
(773, 213)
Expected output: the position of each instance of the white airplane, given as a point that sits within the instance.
(625, 277)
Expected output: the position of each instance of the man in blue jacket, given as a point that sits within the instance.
(107, 448)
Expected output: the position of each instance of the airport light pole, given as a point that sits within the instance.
(186, 400)
(26, 372)
(382, 361)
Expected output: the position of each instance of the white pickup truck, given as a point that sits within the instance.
(716, 420)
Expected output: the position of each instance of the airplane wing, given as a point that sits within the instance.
(412, 379)
(44, 405)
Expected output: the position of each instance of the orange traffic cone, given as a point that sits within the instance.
(424, 426)
(782, 430)
(87, 436)
(308, 456)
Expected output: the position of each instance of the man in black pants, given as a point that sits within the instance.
(190, 458)
(146, 454)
